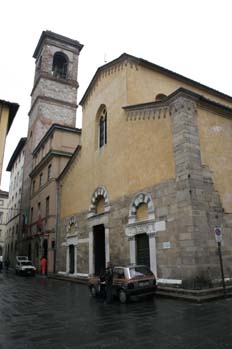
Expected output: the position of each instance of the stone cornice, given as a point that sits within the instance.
(181, 99)
(48, 35)
(52, 101)
(46, 159)
(47, 76)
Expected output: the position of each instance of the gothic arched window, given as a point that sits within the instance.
(102, 128)
(60, 65)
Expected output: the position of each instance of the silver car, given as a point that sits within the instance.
(25, 267)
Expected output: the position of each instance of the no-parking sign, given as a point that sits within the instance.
(218, 234)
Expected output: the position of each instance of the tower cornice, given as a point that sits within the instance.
(47, 34)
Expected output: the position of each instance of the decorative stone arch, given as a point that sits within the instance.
(141, 198)
(99, 192)
(71, 240)
(72, 222)
(97, 219)
(148, 226)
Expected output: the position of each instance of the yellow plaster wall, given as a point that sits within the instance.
(215, 134)
(146, 84)
(4, 116)
(138, 154)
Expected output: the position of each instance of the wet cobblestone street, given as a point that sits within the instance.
(46, 313)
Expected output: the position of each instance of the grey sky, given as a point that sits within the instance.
(190, 37)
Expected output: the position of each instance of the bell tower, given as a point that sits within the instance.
(53, 101)
(54, 93)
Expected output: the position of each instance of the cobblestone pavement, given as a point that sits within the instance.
(46, 313)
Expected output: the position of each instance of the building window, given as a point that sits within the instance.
(160, 96)
(47, 205)
(60, 65)
(33, 186)
(32, 214)
(102, 128)
(41, 179)
(49, 171)
(1, 202)
(40, 221)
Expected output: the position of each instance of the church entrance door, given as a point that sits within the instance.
(142, 249)
(99, 248)
(71, 259)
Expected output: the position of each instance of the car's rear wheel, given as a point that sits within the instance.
(122, 296)
(93, 291)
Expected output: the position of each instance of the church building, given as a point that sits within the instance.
(151, 179)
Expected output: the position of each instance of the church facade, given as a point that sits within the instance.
(151, 179)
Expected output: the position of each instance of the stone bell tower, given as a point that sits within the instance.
(54, 94)
(53, 100)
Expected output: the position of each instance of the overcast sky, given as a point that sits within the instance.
(190, 37)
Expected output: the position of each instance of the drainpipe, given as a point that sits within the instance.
(57, 223)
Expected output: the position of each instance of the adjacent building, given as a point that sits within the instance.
(152, 178)
(15, 167)
(3, 220)
(50, 141)
(8, 111)
(49, 159)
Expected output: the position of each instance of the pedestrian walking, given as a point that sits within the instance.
(7, 263)
(43, 265)
(109, 282)
(102, 285)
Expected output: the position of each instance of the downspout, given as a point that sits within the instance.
(57, 224)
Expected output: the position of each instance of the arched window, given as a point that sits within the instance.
(102, 128)
(60, 65)
(160, 97)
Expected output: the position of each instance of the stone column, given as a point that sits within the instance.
(107, 245)
(75, 259)
(191, 216)
(132, 245)
(67, 259)
(152, 250)
(91, 267)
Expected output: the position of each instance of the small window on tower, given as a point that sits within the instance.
(60, 65)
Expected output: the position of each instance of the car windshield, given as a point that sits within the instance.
(22, 258)
(141, 270)
(26, 263)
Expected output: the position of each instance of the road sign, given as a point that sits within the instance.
(218, 234)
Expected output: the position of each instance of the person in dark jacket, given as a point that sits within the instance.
(102, 284)
(109, 282)
(7, 263)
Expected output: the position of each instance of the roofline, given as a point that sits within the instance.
(69, 163)
(4, 193)
(13, 108)
(155, 67)
(16, 152)
(51, 35)
(201, 100)
(52, 129)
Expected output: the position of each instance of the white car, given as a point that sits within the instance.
(25, 267)
(21, 258)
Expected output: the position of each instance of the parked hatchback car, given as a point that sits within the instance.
(25, 267)
(128, 281)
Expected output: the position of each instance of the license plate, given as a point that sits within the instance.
(144, 283)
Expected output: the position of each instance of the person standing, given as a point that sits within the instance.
(109, 282)
(7, 263)
(43, 265)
